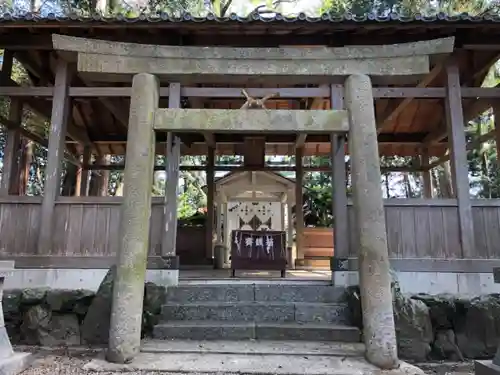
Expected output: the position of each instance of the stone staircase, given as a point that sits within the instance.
(256, 311)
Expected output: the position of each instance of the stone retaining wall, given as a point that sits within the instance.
(428, 326)
(443, 326)
(69, 317)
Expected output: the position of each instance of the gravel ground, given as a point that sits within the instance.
(64, 362)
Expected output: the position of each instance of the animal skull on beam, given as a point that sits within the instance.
(253, 103)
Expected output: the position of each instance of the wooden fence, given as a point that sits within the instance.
(418, 228)
(421, 229)
(88, 227)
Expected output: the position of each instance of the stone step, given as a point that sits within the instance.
(254, 292)
(254, 347)
(299, 312)
(263, 358)
(217, 330)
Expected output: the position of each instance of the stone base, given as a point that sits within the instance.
(486, 368)
(16, 363)
(72, 278)
(468, 283)
(288, 363)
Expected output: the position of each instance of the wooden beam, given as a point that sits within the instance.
(407, 101)
(59, 121)
(254, 151)
(172, 161)
(226, 93)
(477, 78)
(299, 203)
(472, 145)
(471, 111)
(237, 168)
(456, 131)
(250, 121)
(210, 170)
(339, 189)
(301, 140)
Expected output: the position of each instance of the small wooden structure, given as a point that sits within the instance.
(254, 200)
(314, 110)
(420, 115)
(258, 250)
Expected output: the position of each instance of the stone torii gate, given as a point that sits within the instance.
(148, 64)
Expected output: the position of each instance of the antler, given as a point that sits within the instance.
(244, 92)
(270, 96)
(252, 103)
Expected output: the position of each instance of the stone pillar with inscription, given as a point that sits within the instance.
(374, 269)
(10, 362)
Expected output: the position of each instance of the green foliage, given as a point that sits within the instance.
(408, 7)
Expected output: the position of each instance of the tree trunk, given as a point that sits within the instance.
(406, 179)
(69, 180)
(387, 189)
(25, 165)
(445, 181)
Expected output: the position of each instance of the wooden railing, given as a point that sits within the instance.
(85, 227)
(89, 227)
(419, 229)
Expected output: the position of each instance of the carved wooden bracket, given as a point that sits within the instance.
(252, 103)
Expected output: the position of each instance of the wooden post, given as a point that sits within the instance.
(58, 123)
(456, 136)
(289, 226)
(172, 161)
(10, 175)
(210, 201)
(426, 175)
(84, 184)
(283, 214)
(289, 230)
(219, 223)
(225, 228)
(341, 219)
(299, 210)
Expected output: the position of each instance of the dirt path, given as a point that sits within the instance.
(63, 362)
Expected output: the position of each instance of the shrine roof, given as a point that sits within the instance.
(234, 176)
(406, 123)
(254, 17)
(188, 29)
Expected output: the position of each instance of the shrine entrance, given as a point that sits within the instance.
(348, 74)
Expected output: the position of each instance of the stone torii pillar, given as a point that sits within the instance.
(128, 288)
(374, 270)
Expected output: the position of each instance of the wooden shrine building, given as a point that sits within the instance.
(418, 115)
